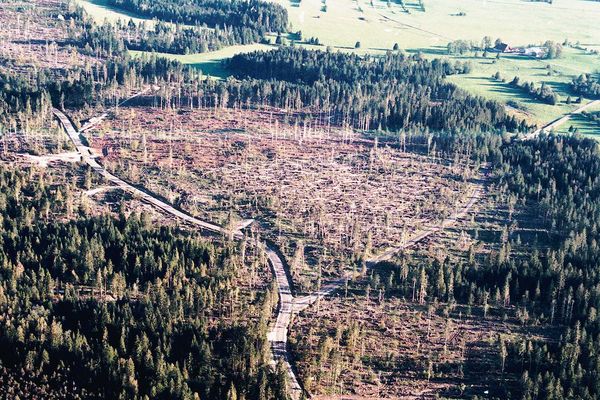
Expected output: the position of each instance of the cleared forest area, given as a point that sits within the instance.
(38, 36)
(328, 197)
(414, 328)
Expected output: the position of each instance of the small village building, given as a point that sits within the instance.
(501, 47)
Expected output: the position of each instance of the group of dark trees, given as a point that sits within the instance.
(144, 331)
(260, 16)
(593, 117)
(586, 85)
(553, 49)
(391, 92)
(543, 93)
(200, 25)
(18, 94)
(461, 46)
(560, 174)
(22, 98)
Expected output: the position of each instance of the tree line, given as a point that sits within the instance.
(543, 93)
(586, 85)
(390, 92)
(255, 18)
(108, 39)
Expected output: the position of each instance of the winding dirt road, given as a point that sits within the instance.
(89, 158)
(277, 336)
(288, 304)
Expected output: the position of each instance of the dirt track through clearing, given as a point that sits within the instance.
(288, 304)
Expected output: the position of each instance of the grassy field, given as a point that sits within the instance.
(556, 73)
(378, 25)
(583, 125)
(209, 63)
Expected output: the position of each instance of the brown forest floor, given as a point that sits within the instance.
(351, 347)
(328, 190)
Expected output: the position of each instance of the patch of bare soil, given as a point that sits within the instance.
(35, 35)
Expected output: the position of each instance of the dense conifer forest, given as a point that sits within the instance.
(259, 16)
(157, 322)
(391, 92)
(586, 85)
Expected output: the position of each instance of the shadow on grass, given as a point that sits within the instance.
(214, 68)
(503, 89)
(382, 49)
(514, 93)
(433, 50)
(345, 47)
(583, 125)
(126, 14)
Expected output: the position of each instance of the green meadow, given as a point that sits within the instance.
(209, 63)
(583, 125)
(556, 73)
(428, 28)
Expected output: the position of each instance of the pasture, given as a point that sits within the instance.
(427, 29)
(378, 24)
(582, 124)
(209, 63)
(556, 73)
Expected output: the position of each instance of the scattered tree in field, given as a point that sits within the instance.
(553, 49)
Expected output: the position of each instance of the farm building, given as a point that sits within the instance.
(533, 51)
(536, 52)
(502, 47)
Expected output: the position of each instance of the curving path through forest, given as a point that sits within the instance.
(90, 159)
(300, 303)
(277, 337)
(288, 304)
